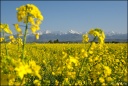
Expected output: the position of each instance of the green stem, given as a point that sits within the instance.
(83, 63)
(24, 40)
(18, 46)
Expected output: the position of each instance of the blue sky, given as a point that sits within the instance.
(76, 15)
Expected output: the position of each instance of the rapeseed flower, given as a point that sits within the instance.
(37, 82)
(1, 39)
(34, 28)
(35, 68)
(29, 10)
(74, 60)
(85, 38)
(108, 79)
(107, 70)
(22, 69)
(101, 79)
(12, 38)
(37, 35)
(5, 28)
(17, 28)
(98, 33)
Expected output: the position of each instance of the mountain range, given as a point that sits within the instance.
(74, 36)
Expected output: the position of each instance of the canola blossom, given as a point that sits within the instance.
(5, 28)
(29, 14)
(1, 39)
(85, 38)
(17, 28)
(98, 33)
(30, 11)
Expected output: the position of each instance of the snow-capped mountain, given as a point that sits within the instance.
(73, 32)
(47, 32)
(73, 36)
(111, 33)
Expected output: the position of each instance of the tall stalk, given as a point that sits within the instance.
(83, 63)
(25, 34)
(24, 39)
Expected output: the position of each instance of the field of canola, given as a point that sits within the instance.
(85, 64)
(59, 64)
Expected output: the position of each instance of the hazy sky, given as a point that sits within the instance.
(76, 15)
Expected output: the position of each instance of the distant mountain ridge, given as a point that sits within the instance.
(74, 36)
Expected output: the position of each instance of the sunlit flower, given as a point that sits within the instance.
(34, 28)
(85, 38)
(1, 39)
(29, 10)
(98, 33)
(37, 82)
(101, 79)
(5, 28)
(22, 70)
(17, 28)
(35, 68)
(37, 35)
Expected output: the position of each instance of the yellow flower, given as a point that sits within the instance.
(85, 38)
(19, 41)
(28, 10)
(117, 60)
(109, 79)
(107, 70)
(37, 82)
(90, 60)
(56, 82)
(74, 60)
(101, 40)
(94, 32)
(31, 20)
(5, 27)
(38, 22)
(66, 79)
(34, 28)
(96, 58)
(69, 66)
(17, 28)
(22, 69)
(35, 68)
(1, 39)
(98, 33)
(11, 37)
(90, 52)
(101, 79)
(37, 35)
(85, 54)
(82, 50)
(53, 73)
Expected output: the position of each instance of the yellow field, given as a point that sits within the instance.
(35, 64)
(65, 64)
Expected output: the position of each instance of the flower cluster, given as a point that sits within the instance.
(85, 38)
(98, 33)
(5, 28)
(31, 68)
(17, 28)
(29, 13)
